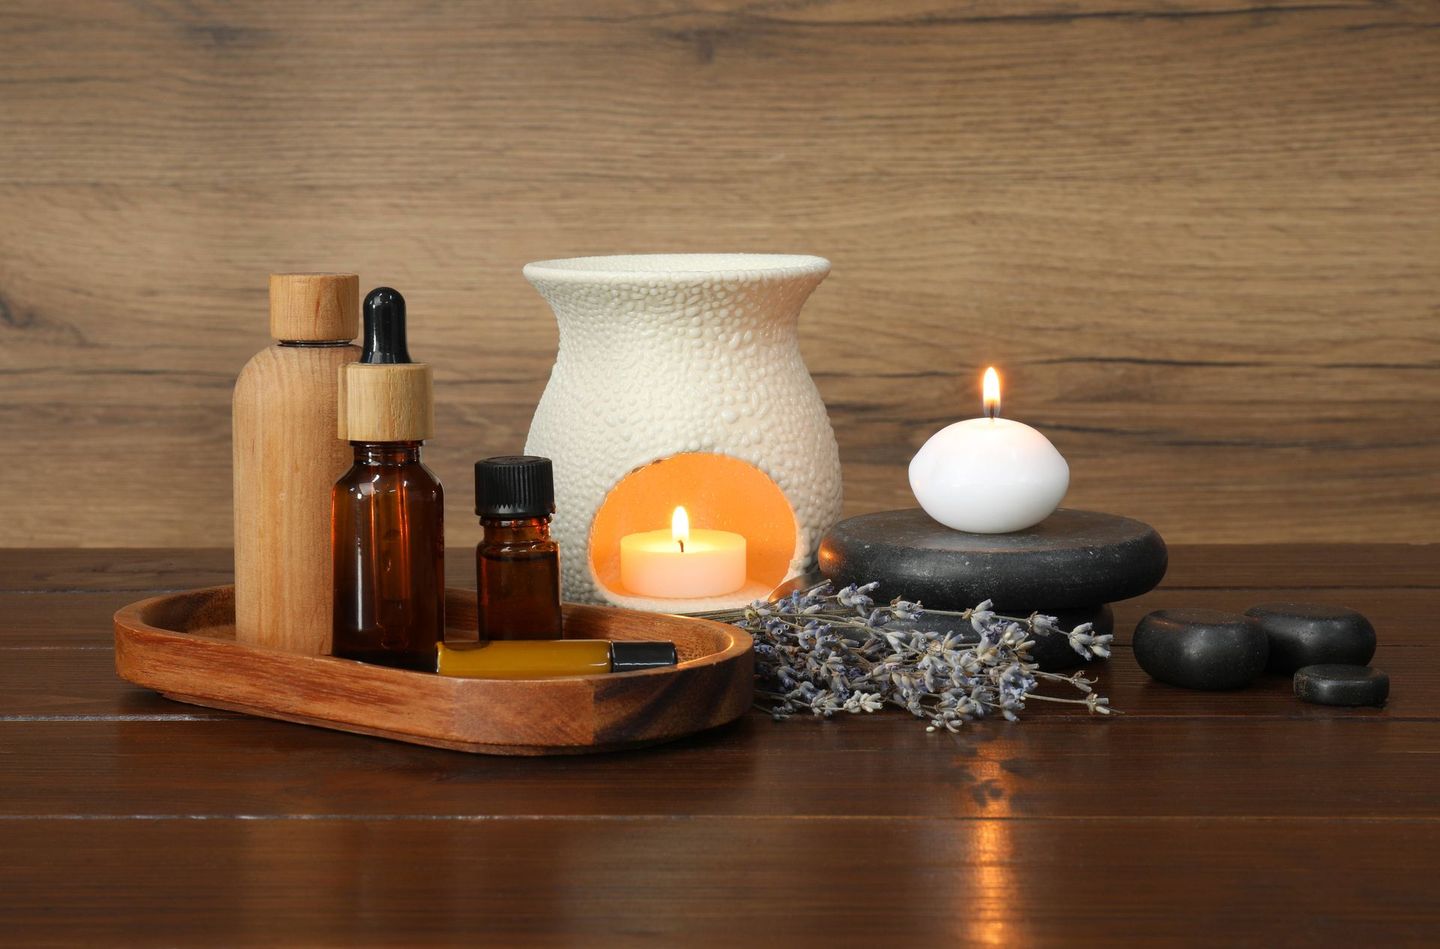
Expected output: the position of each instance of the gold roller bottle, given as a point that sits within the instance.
(388, 510)
(550, 659)
(286, 460)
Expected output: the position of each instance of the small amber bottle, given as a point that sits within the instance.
(387, 524)
(517, 565)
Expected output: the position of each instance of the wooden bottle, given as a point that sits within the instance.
(286, 461)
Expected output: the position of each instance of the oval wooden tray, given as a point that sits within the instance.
(183, 645)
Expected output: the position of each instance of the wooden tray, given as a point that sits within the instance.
(183, 645)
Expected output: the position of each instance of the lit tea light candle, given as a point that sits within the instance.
(682, 563)
(989, 475)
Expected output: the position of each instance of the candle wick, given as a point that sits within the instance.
(681, 543)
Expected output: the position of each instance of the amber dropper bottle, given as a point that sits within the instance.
(517, 565)
(387, 524)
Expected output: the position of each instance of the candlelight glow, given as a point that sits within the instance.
(991, 390)
(680, 527)
(714, 564)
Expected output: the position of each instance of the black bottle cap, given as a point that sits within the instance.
(630, 656)
(385, 327)
(514, 486)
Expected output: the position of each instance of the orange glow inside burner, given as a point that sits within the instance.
(718, 492)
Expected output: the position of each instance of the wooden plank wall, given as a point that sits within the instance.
(1200, 236)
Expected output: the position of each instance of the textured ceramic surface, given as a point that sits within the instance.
(668, 353)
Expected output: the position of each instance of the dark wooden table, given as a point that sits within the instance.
(1202, 818)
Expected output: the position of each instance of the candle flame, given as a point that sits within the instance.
(991, 391)
(680, 527)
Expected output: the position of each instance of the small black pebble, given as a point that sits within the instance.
(1200, 649)
(1308, 634)
(1336, 684)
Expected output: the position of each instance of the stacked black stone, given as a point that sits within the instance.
(1071, 565)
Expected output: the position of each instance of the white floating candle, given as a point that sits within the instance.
(682, 563)
(989, 475)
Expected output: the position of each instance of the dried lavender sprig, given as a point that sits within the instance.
(827, 651)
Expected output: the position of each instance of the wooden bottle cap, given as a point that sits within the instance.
(314, 307)
(386, 402)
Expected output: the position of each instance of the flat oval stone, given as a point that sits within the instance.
(1200, 649)
(1307, 634)
(1336, 684)
(1070, 560)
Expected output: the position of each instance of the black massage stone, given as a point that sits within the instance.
(1307, 634)
(1201, 649)
(1071, 565)
(1070, 560)
(1338, 684)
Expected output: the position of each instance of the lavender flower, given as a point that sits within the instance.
(828, 652)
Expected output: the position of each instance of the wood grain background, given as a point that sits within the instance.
(1201, 237)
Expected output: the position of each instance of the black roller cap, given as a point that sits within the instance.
(630, 656)
(385, 327)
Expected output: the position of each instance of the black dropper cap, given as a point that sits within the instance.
(514, 486)
(385, 327)
(630, 656)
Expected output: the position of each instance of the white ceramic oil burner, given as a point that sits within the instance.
(679, 384)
